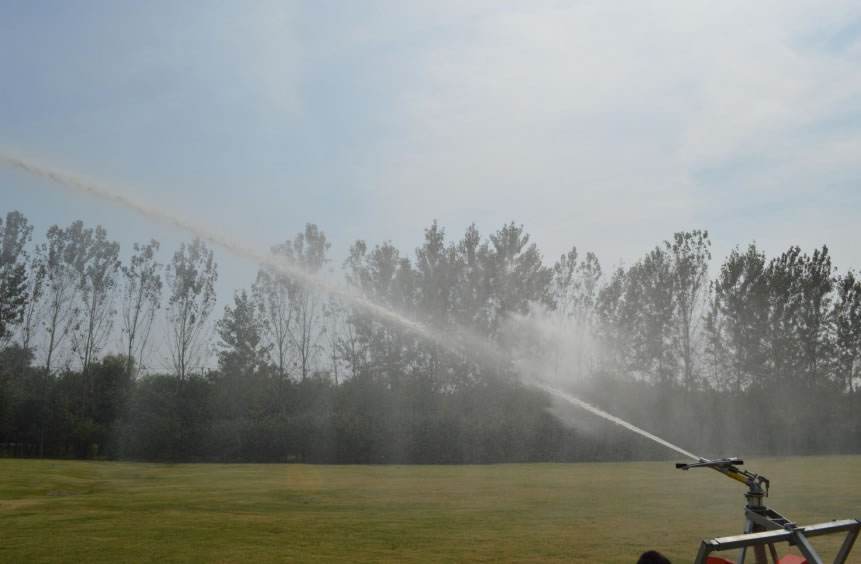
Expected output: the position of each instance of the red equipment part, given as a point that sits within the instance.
(788, 559)
(792, 559)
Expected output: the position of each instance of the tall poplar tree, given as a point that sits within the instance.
(191, 277)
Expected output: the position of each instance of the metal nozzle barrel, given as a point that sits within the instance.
(705, 463)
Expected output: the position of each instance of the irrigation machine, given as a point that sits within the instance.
(765, 527)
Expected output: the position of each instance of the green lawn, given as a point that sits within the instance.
(58, 511)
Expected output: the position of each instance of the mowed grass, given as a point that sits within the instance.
(64, 511)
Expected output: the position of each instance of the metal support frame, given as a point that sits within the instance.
(798, 536)
(764, 526)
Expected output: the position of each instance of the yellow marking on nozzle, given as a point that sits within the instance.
(736, 476)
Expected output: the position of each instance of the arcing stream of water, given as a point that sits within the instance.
(612, 418)
(463, 340)
(77, 185)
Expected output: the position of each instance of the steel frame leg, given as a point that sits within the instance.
(846, 547)
(758, 551)
(806, 548)
(773, 552)
(748, 528)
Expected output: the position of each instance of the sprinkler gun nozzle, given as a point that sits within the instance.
(758, 485)
(706, 463)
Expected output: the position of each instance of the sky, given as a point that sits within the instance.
(605, 125)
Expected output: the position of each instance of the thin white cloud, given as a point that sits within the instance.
(591, 122)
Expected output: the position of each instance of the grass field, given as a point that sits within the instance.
(63, 511)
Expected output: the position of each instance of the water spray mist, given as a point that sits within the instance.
(456, 341)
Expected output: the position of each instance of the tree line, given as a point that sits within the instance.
(764, 356)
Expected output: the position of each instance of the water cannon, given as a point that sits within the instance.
(706, 463)
(764, 526)
(757, 485)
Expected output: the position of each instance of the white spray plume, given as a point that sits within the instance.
(457, 341)
(75, 183)
(548, 344)
(560, 350)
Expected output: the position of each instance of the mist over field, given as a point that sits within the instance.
(440, 355)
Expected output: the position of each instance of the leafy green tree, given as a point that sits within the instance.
(89, 406)
(166, 423)
(800, 287)
(574, 291)
(436, 273)
(815, 326)
(515, 274)
(649, 301)
(648, 314)
(308, 251)
(387, 278)
(614, 326)
(435, 277)
(783, 277)
(36, 273)
(716, 359)
(241, 349)
(191, 280)
(240, 401)
(141, 300)
(690, 255)
(97, 266)
(739, 316)
(271, 292)
(575, 285)
(335, 316)
(471, 288)
(847, 318)
(62, 263)
(15, 233)
(15, 392)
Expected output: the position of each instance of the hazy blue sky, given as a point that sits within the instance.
(608, 125)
